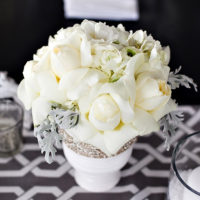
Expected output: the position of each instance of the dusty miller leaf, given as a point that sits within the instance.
(47, 132)
(176, 80)
(169, 124)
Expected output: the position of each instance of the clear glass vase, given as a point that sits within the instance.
(11, 125)
(184, 182)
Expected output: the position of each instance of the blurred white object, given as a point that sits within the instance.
(102, 9)
(8, 89)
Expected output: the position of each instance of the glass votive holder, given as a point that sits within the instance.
(184, 181)
(11, 125)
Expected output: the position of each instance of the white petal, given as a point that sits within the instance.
(125, 108)
(121, 96)
(28, 68)
(49, 87)
(40, 109)
(154, 53)
(78, 83)
(85, 49)
(103, 126)
(144, 122)
(85, 101)
(134, 63)
(116, 139)
(153, 103)
(70, 80)
(166, 55)
(155, 68)
(83, 130)
(88, 27)
(104, 113)
(139, 36)
(163, 110)
(147, 88)
(64, 60)
(26, 95)
(98, 141)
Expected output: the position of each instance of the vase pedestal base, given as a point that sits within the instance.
(97, 182)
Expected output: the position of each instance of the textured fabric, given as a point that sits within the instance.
(145, 177)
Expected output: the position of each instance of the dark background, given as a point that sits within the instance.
(25, 26)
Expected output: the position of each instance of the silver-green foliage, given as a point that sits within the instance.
(176, 80)
(169, 124)
(48, 134)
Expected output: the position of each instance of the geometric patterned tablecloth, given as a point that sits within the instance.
(28, 177)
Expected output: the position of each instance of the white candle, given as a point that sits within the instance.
(194, 182)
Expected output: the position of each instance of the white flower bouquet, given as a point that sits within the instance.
(101, 84)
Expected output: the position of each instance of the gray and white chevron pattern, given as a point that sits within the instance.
(28, 177)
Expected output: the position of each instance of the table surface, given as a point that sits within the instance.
(145, 177)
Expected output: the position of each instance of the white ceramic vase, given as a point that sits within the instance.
(97, 174)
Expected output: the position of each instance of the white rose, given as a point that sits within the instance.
(152, 93)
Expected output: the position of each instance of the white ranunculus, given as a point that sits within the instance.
(152, 93)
